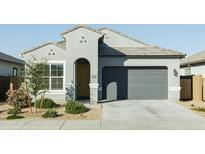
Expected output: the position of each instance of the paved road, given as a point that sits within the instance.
(122, 115)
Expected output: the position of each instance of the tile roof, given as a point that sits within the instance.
(193, 59)
(9, 58)
(81, 26)
(136, 40)
(117, 51)
(59, 44)
(138, 51)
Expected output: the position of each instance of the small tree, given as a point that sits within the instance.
(35, 74)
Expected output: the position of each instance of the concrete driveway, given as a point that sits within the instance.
(149, 114)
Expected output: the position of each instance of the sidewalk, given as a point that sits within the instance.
(36, 124)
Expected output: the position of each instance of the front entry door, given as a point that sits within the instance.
(83, 80)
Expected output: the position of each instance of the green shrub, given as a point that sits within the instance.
(46, 104)
(14, 116)
(75, 108)
(50, 114)
(16, 110)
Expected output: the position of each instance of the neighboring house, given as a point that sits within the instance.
(10, 66)
(102, 64)
(193, 65)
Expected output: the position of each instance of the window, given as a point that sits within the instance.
(188, 71)
(14, 71)
(54, 76)
(22, 72)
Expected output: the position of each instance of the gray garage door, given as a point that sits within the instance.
(135, 83)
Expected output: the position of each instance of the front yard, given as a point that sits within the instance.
(93, 114)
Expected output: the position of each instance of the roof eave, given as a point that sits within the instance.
(142, 56)
(37, 47)
(20, 61)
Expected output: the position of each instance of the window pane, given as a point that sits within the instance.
(22, 72)
(14, 71)
(56, 83)
(56, 69)
(53, 70)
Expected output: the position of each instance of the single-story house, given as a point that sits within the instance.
(193, 65)
(10, 69)
(103, 64)
(10, 66)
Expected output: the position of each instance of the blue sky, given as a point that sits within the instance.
(186, 38)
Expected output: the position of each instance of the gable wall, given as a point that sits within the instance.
(87, 49)
(43, 53)
(116, 40)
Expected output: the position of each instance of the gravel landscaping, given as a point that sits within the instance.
(93, 114)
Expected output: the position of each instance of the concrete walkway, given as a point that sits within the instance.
(127, 115)
(36, 124)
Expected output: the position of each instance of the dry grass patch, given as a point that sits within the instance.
(200, 109)
(195, 106)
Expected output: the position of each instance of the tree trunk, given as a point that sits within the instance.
(29, 102)
(35, 105)
(42, 99)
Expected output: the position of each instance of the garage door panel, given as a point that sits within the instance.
(135, 83)
(147, 83)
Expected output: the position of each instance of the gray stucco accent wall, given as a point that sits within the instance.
(171, 64)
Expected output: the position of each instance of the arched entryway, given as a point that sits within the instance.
(82, 79)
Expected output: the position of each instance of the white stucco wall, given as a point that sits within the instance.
(171, 64)
(6, 68)
(115, 40)
(80, 43)
(195, 70)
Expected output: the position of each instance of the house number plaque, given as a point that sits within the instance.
(94, 76)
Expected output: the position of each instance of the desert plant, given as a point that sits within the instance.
(75, 107)
(192, 105)
(14, 116)
(46, 103)
(16, 110)
(35, 73)
(18, 98)
(70, 92)
(50, 114)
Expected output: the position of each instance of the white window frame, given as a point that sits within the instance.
(15, 71)
(64, 76)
